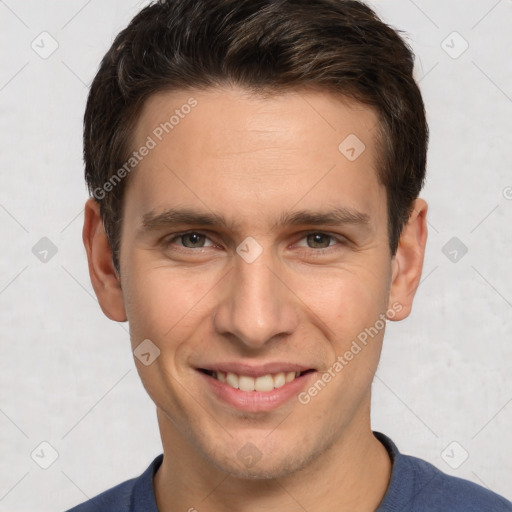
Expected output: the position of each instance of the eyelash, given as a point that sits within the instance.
(315, 251)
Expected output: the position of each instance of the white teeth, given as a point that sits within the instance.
(263, 383)
(279, 380)
(290, 376)
(245, 383)
(232, 380)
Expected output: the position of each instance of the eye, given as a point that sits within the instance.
(195, 240)
(318, 240)
(190, 240)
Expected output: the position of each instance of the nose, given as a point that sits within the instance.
(256, 305)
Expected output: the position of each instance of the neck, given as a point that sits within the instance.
(353, 474)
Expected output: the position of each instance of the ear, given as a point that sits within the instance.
(407, 263)
(104, 277)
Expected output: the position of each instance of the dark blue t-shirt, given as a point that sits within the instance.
(415, 486)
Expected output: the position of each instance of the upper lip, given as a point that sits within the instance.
(255, 370)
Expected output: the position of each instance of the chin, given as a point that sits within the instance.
(269, 471)
(275, 462)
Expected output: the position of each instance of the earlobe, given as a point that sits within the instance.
(407, 264)
(104, 277)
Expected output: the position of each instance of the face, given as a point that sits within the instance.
(254, 254)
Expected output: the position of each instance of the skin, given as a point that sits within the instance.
(252, 160)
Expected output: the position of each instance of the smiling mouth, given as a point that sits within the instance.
(262, 383)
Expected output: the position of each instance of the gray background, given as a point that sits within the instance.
(443, 389)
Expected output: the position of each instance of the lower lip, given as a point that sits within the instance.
(257, 401)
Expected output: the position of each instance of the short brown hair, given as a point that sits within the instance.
(265, 46)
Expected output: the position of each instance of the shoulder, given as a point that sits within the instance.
(418, 485)
(117, 498)
(435, 490)
(134, 495)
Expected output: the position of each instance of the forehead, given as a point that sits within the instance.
(226, 147)
(283, 117)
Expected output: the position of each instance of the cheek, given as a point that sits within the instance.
(349, 304)
(348, 300)
(164, 304)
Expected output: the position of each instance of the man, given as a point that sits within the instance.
(255, 169)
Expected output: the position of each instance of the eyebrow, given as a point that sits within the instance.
(155, 221)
